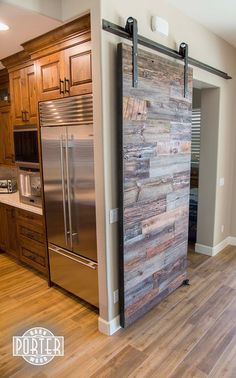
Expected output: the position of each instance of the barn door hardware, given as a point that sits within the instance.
(183, 51)
(121, 32)
(131, 27)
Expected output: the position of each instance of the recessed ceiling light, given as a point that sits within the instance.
(3, 26)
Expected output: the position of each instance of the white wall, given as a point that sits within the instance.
(206, 47)
(52, 8)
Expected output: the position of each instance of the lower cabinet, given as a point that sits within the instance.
(12, 244)
(3, 239)
(22, 235)
(8, 230)
(32, 240)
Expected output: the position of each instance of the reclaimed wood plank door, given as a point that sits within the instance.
(154, 174)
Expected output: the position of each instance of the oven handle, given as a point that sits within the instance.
(63, 189)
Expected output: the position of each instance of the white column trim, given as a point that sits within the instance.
(109, 328)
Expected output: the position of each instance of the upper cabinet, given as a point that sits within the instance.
(6, 130)
(63, 60)
(65, 73)
(78, 69)
(6, 136)
(23, 95)
(49, 76)
(4, 88)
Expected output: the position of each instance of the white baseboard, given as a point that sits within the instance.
(108, 328)
(212, 251)
(232, 240)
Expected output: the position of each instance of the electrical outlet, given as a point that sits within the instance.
(222, 228)
(114, 215)
(115, 296)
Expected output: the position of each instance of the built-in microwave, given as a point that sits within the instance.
(26, 144)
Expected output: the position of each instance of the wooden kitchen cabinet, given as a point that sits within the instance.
(4, 88)
(49, 76)
(11, 234)
(3, 227)
(23, 95)
(32, 240)
(78, 69)
(6, 137)
(65, 73)
(22, 235)
(8, 230)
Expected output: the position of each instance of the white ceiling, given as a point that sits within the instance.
(218, 16)
(24, 25)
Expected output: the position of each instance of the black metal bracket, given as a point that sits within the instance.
(121, 32)
(183, 51)
(132, 28)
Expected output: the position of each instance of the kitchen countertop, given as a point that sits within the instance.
(13, 199)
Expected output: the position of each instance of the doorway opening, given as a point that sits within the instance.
(195, 163)
(203, 178)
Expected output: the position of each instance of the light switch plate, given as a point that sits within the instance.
(114, 215)
(222, 181)
(115, 296)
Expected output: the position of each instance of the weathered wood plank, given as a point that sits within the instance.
(155, 164)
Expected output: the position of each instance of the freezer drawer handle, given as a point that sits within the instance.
(63, 189)
(90, 265)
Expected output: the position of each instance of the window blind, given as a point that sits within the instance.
(196, 130)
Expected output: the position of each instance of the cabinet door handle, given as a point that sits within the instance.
(26, 116)
(22, 116)
(61, 83)
(67, 87)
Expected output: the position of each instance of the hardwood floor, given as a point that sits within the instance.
(192, 333)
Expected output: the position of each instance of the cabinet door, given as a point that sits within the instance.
(12, 244)
(78, 69)
(17, 97)
(4, 94)
(50, 82)
(2, 227)
(6, 133)
(30, 95)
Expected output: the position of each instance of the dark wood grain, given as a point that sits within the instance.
(155, 141)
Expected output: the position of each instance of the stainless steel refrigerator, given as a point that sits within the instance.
(69, 191)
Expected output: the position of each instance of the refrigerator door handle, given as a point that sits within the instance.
(63, 189)
(69, 193)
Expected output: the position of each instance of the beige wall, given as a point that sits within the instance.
(210, 99)
(204, 46)
(196, 98)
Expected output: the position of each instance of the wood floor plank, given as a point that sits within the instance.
(190, 334)
(209, 349)
(122, 364)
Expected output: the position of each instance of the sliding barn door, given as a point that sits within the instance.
(155, 148)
